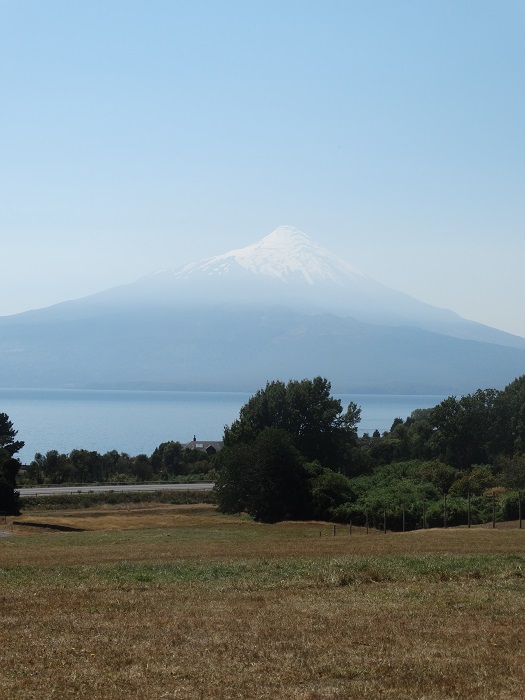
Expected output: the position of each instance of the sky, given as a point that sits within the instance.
(137, 135)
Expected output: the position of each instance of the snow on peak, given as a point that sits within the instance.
(283, 254)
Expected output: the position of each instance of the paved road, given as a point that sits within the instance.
(54, 490)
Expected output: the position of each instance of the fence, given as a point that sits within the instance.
(451, 511)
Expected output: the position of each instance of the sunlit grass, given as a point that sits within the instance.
(207, 606)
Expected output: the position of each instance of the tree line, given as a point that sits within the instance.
(169, 461)
(295, 453)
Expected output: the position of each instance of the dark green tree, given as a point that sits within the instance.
(142, 467)
(166, 459)
(9, 466)
(8, 435)
(233, 483)
(420, 431)
(463, 428)
(512, 471)
(329, 490)
(474, 482)
(304, 409)
(9, 497)
(265, 479)
(508, 425)
(88, 465)
(54, 466)
(437, 473)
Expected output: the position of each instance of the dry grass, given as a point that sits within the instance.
(190, 604)
(129, 517)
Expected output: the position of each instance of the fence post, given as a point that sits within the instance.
(334, 530)
(366, 517)
(384, 521)
(350, 528)
(468, 509)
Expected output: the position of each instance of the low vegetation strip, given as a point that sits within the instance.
(88, 500)
(280, 573)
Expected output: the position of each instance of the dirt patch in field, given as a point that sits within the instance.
(48, 526)
(110, 518)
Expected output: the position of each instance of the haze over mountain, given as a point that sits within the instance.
(288, 268)
(283, 307)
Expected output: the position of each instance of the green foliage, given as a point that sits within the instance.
(233, 485)
(400, 476)
(478, 428)
(54, 468)
(394, 491)
(9, 466)
(306, 411)
(475, 482)
(167, 458)
(265, 479)
(8, 435)
(463, 428)
(406, 440)
(262, 468)
(512, 470)
(437, 473)
(168, 462)
(328, 491)
(9, 498)
(87, 500)
(509, 506)
(508, 433)
(457, 511)
(293, 453)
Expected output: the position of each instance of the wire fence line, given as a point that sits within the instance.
(450, 511)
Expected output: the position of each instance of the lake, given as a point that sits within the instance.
(138, 421)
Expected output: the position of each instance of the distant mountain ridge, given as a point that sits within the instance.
(283, 307)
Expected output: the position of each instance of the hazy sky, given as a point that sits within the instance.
(137, 135)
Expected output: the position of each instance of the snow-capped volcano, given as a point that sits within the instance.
(283, 254)
(281, 308)
(287, 269)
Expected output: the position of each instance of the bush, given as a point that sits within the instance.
(87, 500)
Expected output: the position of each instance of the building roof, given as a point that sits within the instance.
(204, 445)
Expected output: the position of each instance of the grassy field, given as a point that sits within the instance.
(162, 601)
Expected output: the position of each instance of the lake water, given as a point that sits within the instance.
(138, 421)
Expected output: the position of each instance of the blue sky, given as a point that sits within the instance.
(139, 135)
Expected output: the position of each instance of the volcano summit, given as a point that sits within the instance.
(281, 308)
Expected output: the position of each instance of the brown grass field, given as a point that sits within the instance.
(182, 602)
